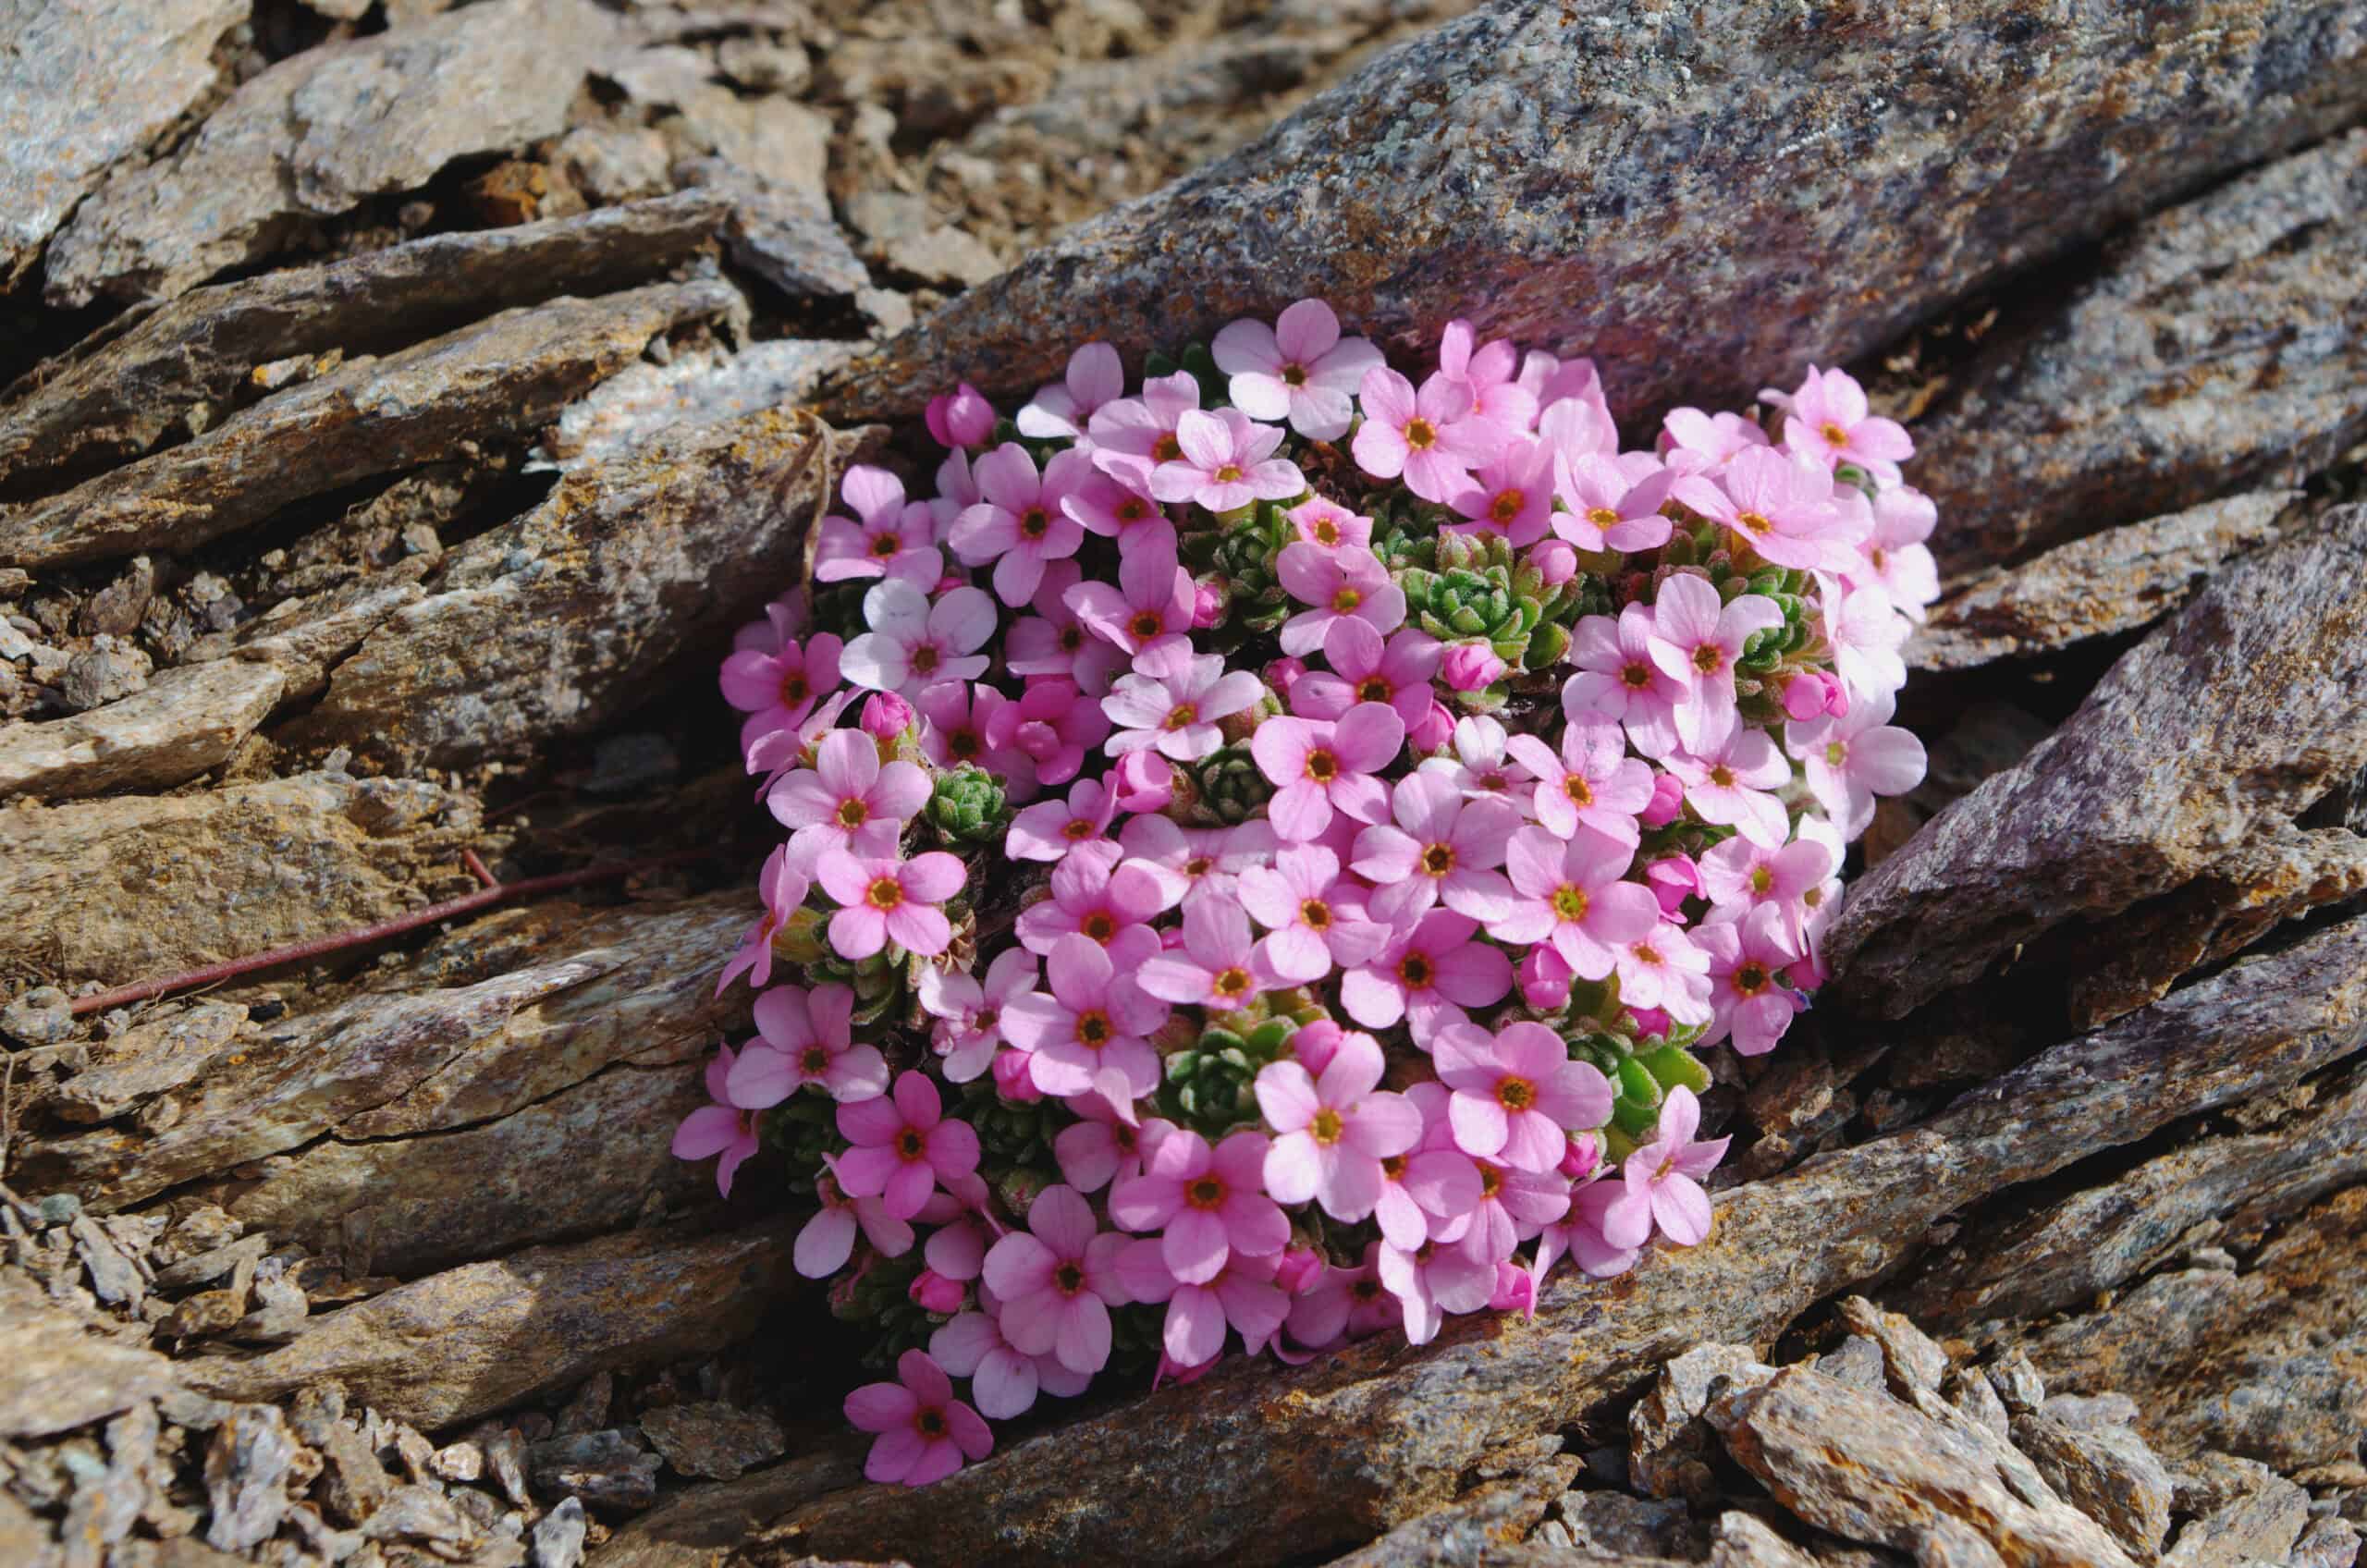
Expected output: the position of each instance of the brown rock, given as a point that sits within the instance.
(146, 1060)
(2108, 1475)
(782, 233)
(1472, 1526)
(247, 1469)
(694, 1526)
(53, 1377)
(2258, 1528)
(712, 1441)
(182, 723)
(1909, 1359)
(1744, 1540)
(606, 1469)
(1668, 1441)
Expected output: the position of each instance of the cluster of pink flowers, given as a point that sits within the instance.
(1216, 913)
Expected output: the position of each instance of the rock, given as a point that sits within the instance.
(1858, 1360)
(1977, 1401)
(1859, 1464)
(1909, 1359)
(697, 387)
(607, 1469)
(782, 233)
(558, 1540)
(115, 396)
(455, 1345)
(182, 723)
(319, 132)
(615, 163)
(2108, 1473)
(1473, 1524)
(221, 874)
(1668, 1441)
(421, 1513)
(2223, 724)
(60, 1208)
(53, 1377)
(2153, 386)
(43, 1016)
(2326, 1543)
(586, 1409)
(712, 1441)
(1743, 1540)
(771, 137)
(2084, 1414)
(505, 376)
(2209, 1481)
(942, 255)
(2258, 1528)
(82, 88)
(1608, 1524)
(2018, 1382)
(115, 610)
(101, 676)
(306, 639)
(247, 1470)
(692, 1526)
(516, 645)
(1598, 187)
(2108, 583)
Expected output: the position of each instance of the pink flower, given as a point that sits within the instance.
(886, 716)
(1480, 769)
(1315, 920)
(904, 1144)
(1219, 965)
(1610, 507)
(1299, 369)
(1514, 1092)
(726, 1128)
(1594, 781)
(1020, 524)
(1470, 667)
(1054, 642)
(1091, 1026)
(1698, 443)
(1133, 435)
(1099, 895)
(1106, 1146)
(1580, 1236)
(1896, 559)
(969, 1012)
(1347, 582)
(960, 418)
(1783, 511)
(826, 1241)
(1207, 1202)
(1052, 726)
(1429, 974)
(1049, 829)
(805, 1038)
(1696, 640)
(1227, 462)
(913, 645)
(1661, 1181)
(1511, 493)
(1431, 1281)
(889, 900)
(1432, 439)
(1113, 509)
(1058, 1281)
(1066, 408)
(1663, 970)
(894, 539)
(1727, 785)
(1424, 1190)
(848, 799)
(1320, 765)
(1513, 1206)
(777, 689)
(956, 718)
(1853, 759)
(1746, 958)
(1241, 1295)
(1739, 876)
(1365, 669)
(1441, 849)
(1334, 1131)
(1172, 700)
(1866, 632)
(1490, 374)
(925, 1432)
(782, 886)
(1570, 894)
(1619, 680)
(1814, 693)
(1329, 525)
(1544, 979)
(1829, 421)
(1144, 782)
(1197, 862)
(1344, 1304)
(1666, 805)
(1003, 1380)
(1153, 599)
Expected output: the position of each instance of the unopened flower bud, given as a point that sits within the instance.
(1470, 667)
(1145, 781)
(1668, 800)
(1013, 1078)
(1300, 1268)
(886, 715)
(1650, 1022)
(1515, 1290)
(1582, 1154)
(1545, 979)
(1283, 673)
(1672, 879)
(1317, 1044)
(1207, 604)
(960, 418)
(1434, 731)
(1813, 693)
(1555, 561)
(932, 1291)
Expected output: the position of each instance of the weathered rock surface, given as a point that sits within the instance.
(319, 132)
(697, 1526)
(2108, 1475)
(82, 87)
(146, 1060)
(711, 1439)
(458, 1344)
(182, 723)
(1598, 185)
(2221, 727)
(2116, 581)
(782, 233)
(505, 376)
(2223, 343)
(55, 1376)
(1474, 1527)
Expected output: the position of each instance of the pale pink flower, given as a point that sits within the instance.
(826, 1241)
(1020, 524)
(1516, 1091)
(1299, 369)
(1172, 701)
(1052, 726)
(1049, 829)
(1781, 508)
(1852, 759)
(955, 718)
(1333, 1132)
(806, 1038)
(1697, 442)
(1480, 768)
(1220, 966)
(778, 688)
(914, 643)
(1065, 408)
(1440, 849)
(1113, 509)
(1058, 1280)
(782, 886)
(1347, 582)
(1570, 894)
(1099, 895)
(925, 1432)
(960, 418)
(1511, 493)
(1696, 640)
(1619, 680)
(1153, 599)
(1490, 372)
(1747, 958)
(1663, 969)
(1513, 1206)
(1661, 1181)
(1055, 642)
(1344, 1304)
(1738, 876)
(1133, 435)
(1329, 525)
(1207, 1202)
(1429, 974)
(1728, 785)
(1593, 782)
(1242, 1295)
(1365, 669)
(1829, 421)
(1322, 766)
(1003, 1379)
(1433, 438)
(1093, 1025)
(888, 901)
(726, 1128)
(1431, 1281)
(1897, 557)
(1315, 920)
(1609, 508)
(849, 799)
(1579, 1236)
(1227, 462)
(895, 538)
(1425, 1188)
(1106, 1145)
(1197, 862)
(904, 1144)
(969, 1012)
(1865, 633)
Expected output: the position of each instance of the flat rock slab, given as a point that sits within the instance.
(320, 131)
(55, 1376)
(2219, 727)
(1705, 197)
(182, 723)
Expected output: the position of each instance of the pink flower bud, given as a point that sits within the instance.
(960, 418)
(1545, 978)
(1014, 1081)
(1207, 604)
(1813, 693)
(1145, 782)
(1317, 1044)
(1170, 1373)
(1515, 1290)
(1283, 674)
(1806, 974)
(1580, 1158)
(1556, 562)
(1469, 667)
(932, 1291)
(1674, 879)
(1651, 1022)
(1668, 800)
(1434, 732)
(886, 715)
(1301, 1267)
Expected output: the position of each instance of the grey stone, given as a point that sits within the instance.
(712, 1441)
(1858, 1360)
(606, 1469)
(1667, 1439)
(101, 676)
(43, 1016)
(247, 1469)
(558, 1540)
(2261, 1528)
(783, 234)
(166, 731)
(2107, 1474)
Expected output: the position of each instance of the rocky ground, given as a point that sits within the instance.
(403, 404)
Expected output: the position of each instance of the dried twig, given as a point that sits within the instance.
(478, 869)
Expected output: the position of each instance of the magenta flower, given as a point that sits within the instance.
(1099, 895)
(1441, 848)
(1113, 509)
(1432, 439)
(1431, 1281)
(955, 716)
(1242, 1295)
(1660, 1183)
(1612, 507)
(1049, 829)
(1091, 1027)
(1218, 966)
(1829, 421)
(1424, 1190)
(894, 539)
(1778, 507)
(1153, 599)
(1852, 759)
(1511, 493)
(1003, 1379)
(1333, 1132)
(805, 1038)
(1065, 408)
(1315, 920)
(1344, 1304)
(1428, 974)
(1133, 435)
(960, 418)
(1299, 369)
(1226, 462)
(726, 1128)
(1172, 700)
(1058, 1281)
(904, 1144)
(778, 688)
(969, 1012)
(1570, 894)
(1471, 667)
(1696, 640)
(1020, 524)
(1515, 1092)
(888, 901)
(1593, 782)
(1330, 526)
(925, 1432)
(1579, 1236)
(1052, 726)
(1750, 1003)
(1320, 765)
(782, 886)
(826, 1241)
(1365, 669)
(913, 645)
(1207, 1202)
(848, 799)
(1728, 785)
(1348, 582)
